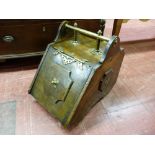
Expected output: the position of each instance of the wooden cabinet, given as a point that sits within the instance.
(24, 38)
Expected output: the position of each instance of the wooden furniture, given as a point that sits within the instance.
(78, 69)
(117, 26)
(25, 38)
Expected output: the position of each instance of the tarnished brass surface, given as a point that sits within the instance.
(85, 49)
(77, 70)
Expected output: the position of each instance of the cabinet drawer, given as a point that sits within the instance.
(20, 39)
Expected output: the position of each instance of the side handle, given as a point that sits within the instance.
(105, 80)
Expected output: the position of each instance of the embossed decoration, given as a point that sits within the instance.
(80, 65)
(66, 59)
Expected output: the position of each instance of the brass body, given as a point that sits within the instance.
(74, 76)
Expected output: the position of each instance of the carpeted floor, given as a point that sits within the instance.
(8, 118)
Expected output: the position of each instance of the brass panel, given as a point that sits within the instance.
(58, 86)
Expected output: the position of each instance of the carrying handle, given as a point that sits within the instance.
(86, 32)
(110, 41)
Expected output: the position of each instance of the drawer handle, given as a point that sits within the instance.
(8, 39)
(55, 82)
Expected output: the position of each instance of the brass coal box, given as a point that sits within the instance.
(77, 70)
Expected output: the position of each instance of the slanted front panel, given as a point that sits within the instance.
(59, 83)
(55, 86)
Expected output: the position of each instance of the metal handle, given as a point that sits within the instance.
(8, 38)
(55, 82)
(88, 33)
(105, 79)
